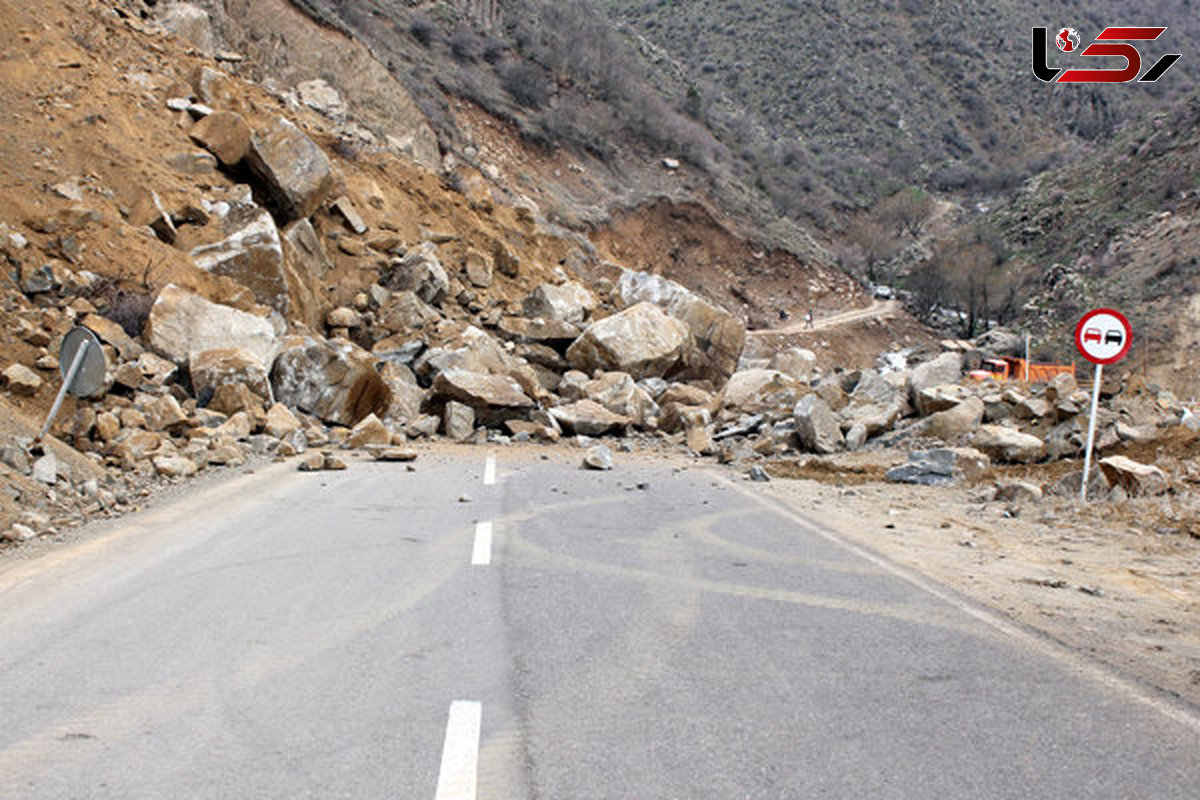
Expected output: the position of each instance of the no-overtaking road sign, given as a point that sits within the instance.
(1103, 336)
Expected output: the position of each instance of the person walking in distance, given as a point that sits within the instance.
(808, 319)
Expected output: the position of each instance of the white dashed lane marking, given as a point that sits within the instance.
(481, 555)
(460, 753)
(489, 471)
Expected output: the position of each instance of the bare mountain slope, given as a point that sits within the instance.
(859, 99)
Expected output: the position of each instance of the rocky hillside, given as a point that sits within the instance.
(270, 274)
(857, 100)
(269, 271)
(1120, 228)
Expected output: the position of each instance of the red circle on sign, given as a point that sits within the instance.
(1103, 336)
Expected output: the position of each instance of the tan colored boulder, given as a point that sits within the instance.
(754, 391)
(232, 398)
(1138, 480)
(816, 427)
(212, 369)
(479, 269)
(407, 312)
(641, 340)
(335, 381)
(943, 397)
(305, 250)
(717, 337)
(458, 421)
(108, 426)
(946, 368)
(224, 134)
(1006, 444)
(135, 445)
(617, 392)
(588, 418)
(538, 330)
(190, 23)
(369, 431)
(181, 323)
(250, 252)
(569, 302)
(163, 413)
(480, 390)
(795, 362)
(956, 422)
(293, 169)
(237, 428)
(112, 333)
(281, 421)
(21, 380)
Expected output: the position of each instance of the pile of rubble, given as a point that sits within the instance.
(429, 336)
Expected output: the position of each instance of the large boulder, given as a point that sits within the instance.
(335, 381)
(941, 466)
(224, 134)
(956, 422)
(796, 362)
(190, 23)
(1006, 444)
(946, 368)
(421, 273)
(753, 391)
(182, 323)
(293, 169)
(617, 392)
(717, 337)
(1135, 478)
(944, 397)
(588, 418)
(305, 250)
(554, 332)
(570, 302)
(407, 312)
(476, 351)
(816, 426)
(479, 390)
(641, 340)
(212, 369)
(250, 252)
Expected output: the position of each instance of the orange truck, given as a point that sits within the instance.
(1010, 368)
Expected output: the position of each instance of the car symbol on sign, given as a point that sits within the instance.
(1113, 337)
(1092, 335)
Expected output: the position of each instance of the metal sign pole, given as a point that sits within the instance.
(67, 381)
(1091, 439)
(1027, 358)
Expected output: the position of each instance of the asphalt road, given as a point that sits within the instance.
(353, 635)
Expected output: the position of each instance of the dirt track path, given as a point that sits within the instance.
(881, 309)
